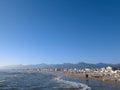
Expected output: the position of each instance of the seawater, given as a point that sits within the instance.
(11, 80)
(19, 80)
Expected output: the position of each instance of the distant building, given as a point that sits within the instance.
(87, 69)
(109, 68)
(103, 69)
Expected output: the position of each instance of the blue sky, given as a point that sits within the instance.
(59, 31)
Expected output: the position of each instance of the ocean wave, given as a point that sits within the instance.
(72, 84)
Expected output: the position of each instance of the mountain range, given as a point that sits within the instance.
(64, 65)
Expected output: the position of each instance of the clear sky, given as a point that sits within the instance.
(59, 31)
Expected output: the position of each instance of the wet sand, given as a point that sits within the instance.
(101, 79)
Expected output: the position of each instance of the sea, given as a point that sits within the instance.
(21, 80)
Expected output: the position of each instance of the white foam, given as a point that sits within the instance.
(73, 84)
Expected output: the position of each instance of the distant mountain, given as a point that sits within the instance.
(82, 65)
(65, 65)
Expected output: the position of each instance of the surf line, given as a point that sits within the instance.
(73, 84)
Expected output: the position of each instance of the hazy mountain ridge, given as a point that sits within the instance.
(64, 65)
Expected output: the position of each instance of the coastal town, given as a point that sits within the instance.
(107, 74)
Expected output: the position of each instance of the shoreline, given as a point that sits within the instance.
(104, 79)
(100, 79)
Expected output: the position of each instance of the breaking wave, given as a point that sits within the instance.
(71, 84)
